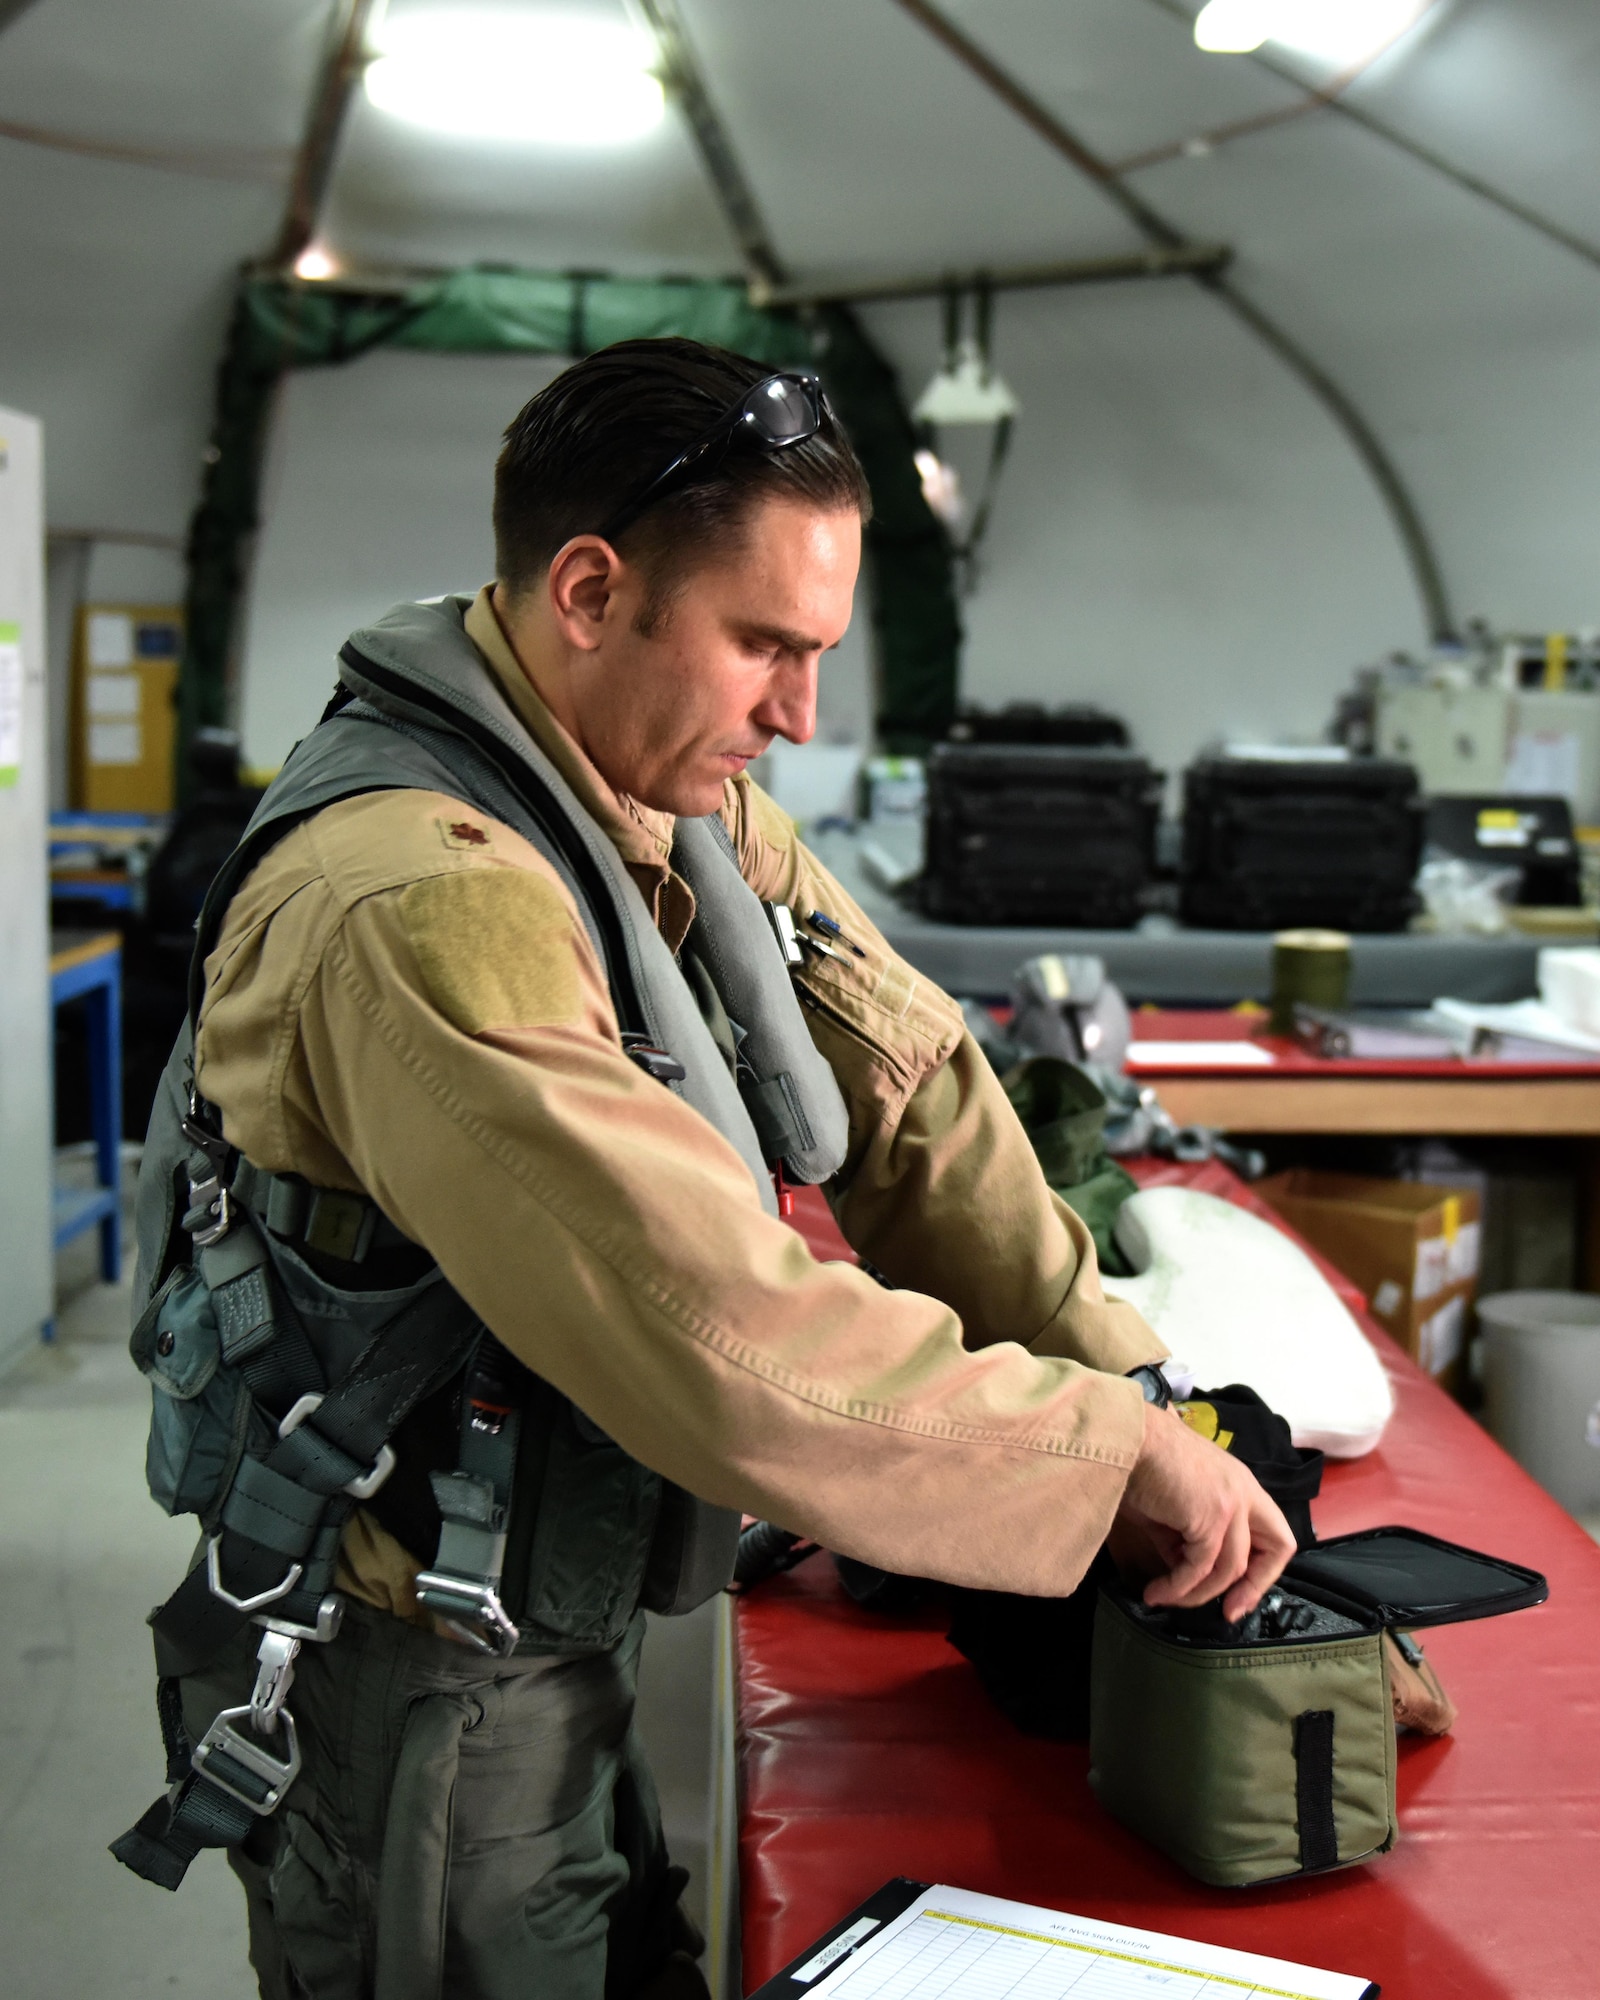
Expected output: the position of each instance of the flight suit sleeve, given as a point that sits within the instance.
(616, 1243)
(940, 1188)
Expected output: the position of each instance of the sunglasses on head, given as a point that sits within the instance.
(777, 412)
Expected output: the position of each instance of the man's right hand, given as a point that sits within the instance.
(1200, 1517)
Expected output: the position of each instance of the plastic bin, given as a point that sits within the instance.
(1541, 1385)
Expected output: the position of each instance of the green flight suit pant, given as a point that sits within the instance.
(466, 1827)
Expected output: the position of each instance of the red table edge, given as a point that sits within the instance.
(816, 1223)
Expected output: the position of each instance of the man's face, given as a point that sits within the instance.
(668, 718)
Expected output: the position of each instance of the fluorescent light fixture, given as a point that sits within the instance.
(1341, 33)
(522, 76)
(1233, 27)
(315, 264)
(966, 391)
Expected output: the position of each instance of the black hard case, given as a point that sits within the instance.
(1545, 850)
(1269, 844)
(1038, 835)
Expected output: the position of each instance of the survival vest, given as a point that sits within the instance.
(305, 1358)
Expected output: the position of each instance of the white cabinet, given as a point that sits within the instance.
(1456, 737)
(26, 1266)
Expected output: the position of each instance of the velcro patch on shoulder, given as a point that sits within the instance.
(498, 948)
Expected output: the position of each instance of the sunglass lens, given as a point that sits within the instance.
(784, 411)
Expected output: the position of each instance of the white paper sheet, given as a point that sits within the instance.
(953, 1944)
(115, 743)
(10, 703)
(1530, 1020)
(113, 694)
(1544, 763)
(1200, 1055)
(110, 639)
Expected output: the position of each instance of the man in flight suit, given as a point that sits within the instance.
(404, 1000)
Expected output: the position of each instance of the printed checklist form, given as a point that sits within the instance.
(952, 1944)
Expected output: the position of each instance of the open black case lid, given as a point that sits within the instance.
(1411, 1579)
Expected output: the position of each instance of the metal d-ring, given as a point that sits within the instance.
(365, 1484)
(220, 1591)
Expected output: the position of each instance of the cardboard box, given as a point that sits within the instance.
(1411, 1247)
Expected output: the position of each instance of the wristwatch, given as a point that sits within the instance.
(1157, 1389)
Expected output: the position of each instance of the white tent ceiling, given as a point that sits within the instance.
(1469, 340)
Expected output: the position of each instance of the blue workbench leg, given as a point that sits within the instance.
(105, 1098)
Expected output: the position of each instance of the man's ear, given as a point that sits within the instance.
(582, 587)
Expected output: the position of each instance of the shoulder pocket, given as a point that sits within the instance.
(199, 1409)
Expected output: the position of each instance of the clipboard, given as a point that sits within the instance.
(801, 1974)
(908, 1929)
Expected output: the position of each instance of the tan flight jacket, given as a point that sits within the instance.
(404, 1000)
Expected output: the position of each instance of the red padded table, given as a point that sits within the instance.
(867, 1749)
(1300, 1092)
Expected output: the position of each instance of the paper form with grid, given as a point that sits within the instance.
(952, 1944)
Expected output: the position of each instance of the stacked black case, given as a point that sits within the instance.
(1533, 835)
(1038, 835)
(1271, 844)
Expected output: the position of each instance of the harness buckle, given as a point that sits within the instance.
(330, 1616)
(211, 1198)
(361, 1488)
(489, 1625)
(244, 1769)
(660, 1063)
(221, 1592)
(274, 1675)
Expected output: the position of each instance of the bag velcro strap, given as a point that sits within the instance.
(1313, 1789)
(260, 1331)
(245, 1318)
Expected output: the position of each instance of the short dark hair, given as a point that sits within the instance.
(604, 427)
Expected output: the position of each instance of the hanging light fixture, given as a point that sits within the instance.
(967, 390)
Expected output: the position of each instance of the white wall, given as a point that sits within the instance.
(1180, 535)
(378, 488)
(25, 1150)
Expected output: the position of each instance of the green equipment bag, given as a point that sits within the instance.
(1257, 1752)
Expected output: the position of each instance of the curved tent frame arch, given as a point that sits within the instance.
(280, 323)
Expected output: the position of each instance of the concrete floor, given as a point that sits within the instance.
(84, 1554)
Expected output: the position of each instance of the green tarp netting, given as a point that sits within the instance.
(278, 324)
